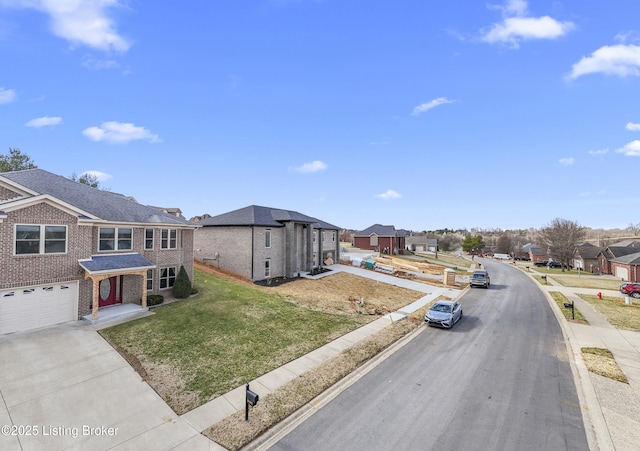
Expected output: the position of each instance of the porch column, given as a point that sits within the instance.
(95, 303)
(144, 290)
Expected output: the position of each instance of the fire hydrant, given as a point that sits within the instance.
(599, 295)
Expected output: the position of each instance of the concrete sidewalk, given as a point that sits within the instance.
(218, 409)
(612, 406)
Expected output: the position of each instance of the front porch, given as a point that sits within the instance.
(118, 313)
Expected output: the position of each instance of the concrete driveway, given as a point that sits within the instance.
(65, 387)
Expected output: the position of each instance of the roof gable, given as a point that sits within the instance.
(98, 204)
(378, 229)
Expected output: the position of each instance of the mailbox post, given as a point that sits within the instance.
(571, 306)
(252, 400)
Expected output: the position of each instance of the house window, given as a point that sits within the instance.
(333, 237)
(314, 236)
(115, 239)
(39, 239)
(167, 277)
(169, 239)
(267, 238)
(267, 267)
(149, 279)
(373, 240)
(148, 239)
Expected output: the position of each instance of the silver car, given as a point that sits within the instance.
(443, 314)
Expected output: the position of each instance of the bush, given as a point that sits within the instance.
(182, 285)
(154, 299)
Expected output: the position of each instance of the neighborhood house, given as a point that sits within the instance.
(67, 250)
(262, 243)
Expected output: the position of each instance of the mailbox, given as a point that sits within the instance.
(252, 398)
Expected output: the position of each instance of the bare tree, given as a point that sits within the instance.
(504, 244)
(561, 236)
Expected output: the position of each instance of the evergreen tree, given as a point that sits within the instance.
(182, 285)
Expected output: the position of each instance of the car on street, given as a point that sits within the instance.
(630, 289)
(443, 314)
(480, 278)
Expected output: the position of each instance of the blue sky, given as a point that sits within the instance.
(417, 114)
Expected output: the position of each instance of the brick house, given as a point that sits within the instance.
(627, 267)
(381, 238)
(261, 243)
(67, 250)
(607, 255)
(586, 257)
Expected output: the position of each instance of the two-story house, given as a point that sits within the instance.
(261, 243)
(67, 250)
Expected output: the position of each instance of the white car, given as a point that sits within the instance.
(443, 314)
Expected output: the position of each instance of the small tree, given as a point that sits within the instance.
(182, 285)
(504, 245)
(15, 160)
(473, 244)
(86, 179)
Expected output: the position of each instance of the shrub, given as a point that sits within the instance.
(182, 285)
(154, 299)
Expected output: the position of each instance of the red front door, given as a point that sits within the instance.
(110, 290)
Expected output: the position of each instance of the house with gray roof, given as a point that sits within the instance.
(263, 243)
(627, 267)
(68, 250)
(610, 253)
(381, 238)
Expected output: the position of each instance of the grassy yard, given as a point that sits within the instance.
(588, 282)
(616, 311)
(561, 300)
(195, 350)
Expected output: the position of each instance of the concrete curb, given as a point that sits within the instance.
(595, 426)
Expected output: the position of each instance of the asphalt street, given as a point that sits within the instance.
(500, 379)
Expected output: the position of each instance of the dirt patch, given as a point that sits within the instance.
(341, 293)
(602, 362)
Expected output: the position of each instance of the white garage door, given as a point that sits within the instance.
(29, 308)
(623, 273)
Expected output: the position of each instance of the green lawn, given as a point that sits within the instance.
(616, 311)
(228, 335)
(561, 300)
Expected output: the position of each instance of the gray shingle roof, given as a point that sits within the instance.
(255, 215)
(101, 204)
(115, 262)
(378, 229)
(630, 259)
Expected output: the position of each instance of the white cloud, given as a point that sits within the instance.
(633, 127)
(599, 152)
(429, 105)
(99, 176)
(79, 22)
(516, 26)
(620, 60)
(314, 166)
(389, 194)
(567, 161)
(7, 95)
(118, 132)
(44, 121)
(631, 149)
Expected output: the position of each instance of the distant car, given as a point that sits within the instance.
(554, 265)
(443, 314)
(480, 278)
(631, 289)
(541, 264)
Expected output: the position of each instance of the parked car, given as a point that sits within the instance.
(480, 278)
(541, 264)
(444, 314)
(630, 289)
(554, 265)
